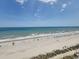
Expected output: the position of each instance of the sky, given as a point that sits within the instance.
(38, 13)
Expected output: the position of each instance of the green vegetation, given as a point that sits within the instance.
(68, 57)
(56, 52)
(74, 56)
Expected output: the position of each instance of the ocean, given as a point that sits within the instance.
(14, 32)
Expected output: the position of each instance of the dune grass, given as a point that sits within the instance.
(56, 52)
(74, 56)
(68, 57)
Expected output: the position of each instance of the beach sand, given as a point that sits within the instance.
(25, 49)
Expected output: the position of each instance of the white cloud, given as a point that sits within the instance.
(21, 1)
(63, 7)
(49, 1)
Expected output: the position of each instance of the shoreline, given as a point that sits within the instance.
(54, 35)
(27, 48)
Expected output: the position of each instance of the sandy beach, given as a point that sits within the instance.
(34, 46)
(39, 29)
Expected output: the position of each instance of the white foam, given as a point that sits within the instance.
(40, 35)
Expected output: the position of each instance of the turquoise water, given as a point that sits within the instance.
(13, 32)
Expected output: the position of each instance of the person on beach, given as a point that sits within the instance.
(0, 46)
(38, 39)
(13, 43)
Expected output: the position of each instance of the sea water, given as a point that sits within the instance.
(14, 32)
